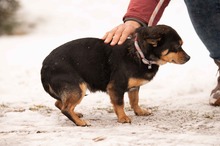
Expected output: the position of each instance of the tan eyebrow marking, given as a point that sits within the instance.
(165, 52)
(181, 42)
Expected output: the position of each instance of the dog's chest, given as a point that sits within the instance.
(136, 82)
(139, 81)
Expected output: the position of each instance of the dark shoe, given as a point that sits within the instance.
(215, 94)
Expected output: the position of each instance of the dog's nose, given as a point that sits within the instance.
(187, 57)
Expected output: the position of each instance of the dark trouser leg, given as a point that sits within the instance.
(205, 17)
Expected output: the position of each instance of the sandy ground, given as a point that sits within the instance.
(178, 96)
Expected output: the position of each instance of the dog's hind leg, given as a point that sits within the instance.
(134, 99)
(69, 100)
(59, 105)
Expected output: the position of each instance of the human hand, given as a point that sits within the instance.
(120, 33)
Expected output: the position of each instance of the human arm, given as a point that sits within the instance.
(138, 14)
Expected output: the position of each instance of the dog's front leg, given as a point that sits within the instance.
(134, 99)
(117, 99)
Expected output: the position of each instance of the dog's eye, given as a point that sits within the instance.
(175, 48)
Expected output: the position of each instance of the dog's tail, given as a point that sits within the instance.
(49, 89)
(46, 85)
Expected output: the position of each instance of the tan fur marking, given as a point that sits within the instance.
(122, 117)
(58, 104)
(83, 87)
(69, 101)
(134, 99)
(109, 88)
(181, 42)
(172, 57)
(69, 107)
(119, 109)
(165, 52)
(134, 82)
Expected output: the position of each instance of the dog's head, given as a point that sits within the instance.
(161, 44)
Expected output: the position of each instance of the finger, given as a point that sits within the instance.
(109, 35)
(105, 36)
(127, 32)
(119, 32)
(117, 35)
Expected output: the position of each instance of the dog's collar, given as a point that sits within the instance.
(144, 60)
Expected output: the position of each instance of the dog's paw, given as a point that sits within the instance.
(142, 112)
(124, 119)
(83, 123)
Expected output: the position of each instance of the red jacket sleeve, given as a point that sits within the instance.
(141, 10)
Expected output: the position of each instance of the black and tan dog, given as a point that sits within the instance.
(73, 67)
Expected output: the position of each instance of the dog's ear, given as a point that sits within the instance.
(150, 34)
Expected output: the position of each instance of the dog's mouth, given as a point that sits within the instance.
(173, 61)
(162, 62)
(170, 61)
(180, 61)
